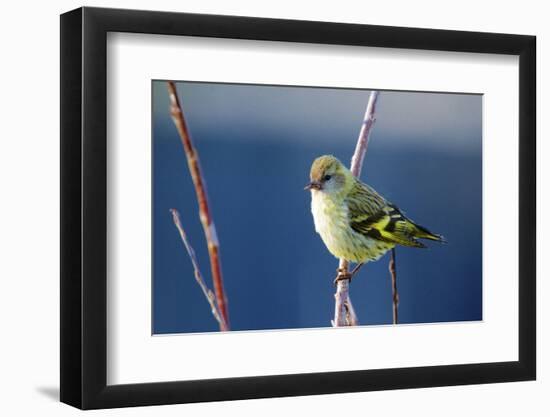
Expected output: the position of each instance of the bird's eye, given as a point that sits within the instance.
(327, 177)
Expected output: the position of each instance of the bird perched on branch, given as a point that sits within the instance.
(354, 221)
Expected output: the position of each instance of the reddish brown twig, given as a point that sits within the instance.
(198, 276)
(344, 314)
(202, 198)
(395, 296)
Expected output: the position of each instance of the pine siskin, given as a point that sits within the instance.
(354, 221)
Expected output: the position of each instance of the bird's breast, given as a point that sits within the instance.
(332, 223)
(331, 220)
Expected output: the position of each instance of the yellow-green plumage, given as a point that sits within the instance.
(354, 221)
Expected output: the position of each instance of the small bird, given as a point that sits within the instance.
(354, 221)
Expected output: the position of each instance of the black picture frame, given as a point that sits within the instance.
(84, 207)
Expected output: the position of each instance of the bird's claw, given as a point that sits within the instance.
(342, 275)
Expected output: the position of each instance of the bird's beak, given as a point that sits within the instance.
(313, 185)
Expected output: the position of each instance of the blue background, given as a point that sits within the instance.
(256, 145)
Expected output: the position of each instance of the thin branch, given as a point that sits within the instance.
(395, 296)
(344, 314)
(202, 198)
(351, 316)
(363, 139)
(198, 276)
(340, 298)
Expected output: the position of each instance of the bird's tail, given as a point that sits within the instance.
(423, 233)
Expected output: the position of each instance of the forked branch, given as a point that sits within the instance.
(205, 212)
(198, 275)
(344, 314)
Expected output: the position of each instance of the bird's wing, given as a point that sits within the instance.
(371, 215)
(366, 201)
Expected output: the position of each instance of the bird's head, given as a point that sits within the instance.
(328, 175)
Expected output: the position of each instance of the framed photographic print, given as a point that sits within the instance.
(258, 207)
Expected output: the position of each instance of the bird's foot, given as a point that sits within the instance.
(343, 274)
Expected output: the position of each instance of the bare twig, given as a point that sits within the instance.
(344, 314)
(202, 198)
(364, 133)
(198, 276)
(351, 316)
(395, 295)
